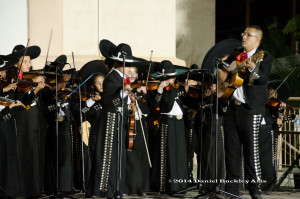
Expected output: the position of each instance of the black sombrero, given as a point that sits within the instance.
(60, 61)
(118, 53)
(217, 51)
(31, 51)
(95, 66)
(166, 70)
(7, 61)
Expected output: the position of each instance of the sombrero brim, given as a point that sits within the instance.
(32, 51)
(220, 49)
(95, 66)
(61, 60)
(107, 49)
(7, 62)
(197, 75)
(180, 70)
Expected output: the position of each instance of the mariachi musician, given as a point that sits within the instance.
(138, 162)
(245, 113)
(9, 171)
(103, 180)
(172, 155)
(30, 136)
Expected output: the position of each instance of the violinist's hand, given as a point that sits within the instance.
(142, 89)
(133, 107)
(38, 79)
(186, 87)
(61, 86)
(207, 93)
(39, 87)
(10, 87)
(249, 64)
(279, 122)
(127, 88)
(282, 105)
(14, 104)
(191, 82)
(162, 85)
(97, 97)
(66, 77)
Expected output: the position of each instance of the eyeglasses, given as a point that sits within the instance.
(247, 34)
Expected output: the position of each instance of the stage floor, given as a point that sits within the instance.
(291, 194)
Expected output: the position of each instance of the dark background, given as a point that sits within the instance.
(231, 16)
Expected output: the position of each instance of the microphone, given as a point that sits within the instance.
(49, 63)
(222, 62)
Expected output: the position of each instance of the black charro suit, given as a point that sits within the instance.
(102, 178)
(172, 157)
(241, 126)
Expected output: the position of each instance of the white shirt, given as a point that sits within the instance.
(176, 110)
(239, 92)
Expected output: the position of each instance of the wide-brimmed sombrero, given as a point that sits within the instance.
(95, 66)
(196, 74)
(166, 70)
(7, 61)
(31, 51)
(60, 62)
(225, 47)
(119, 53)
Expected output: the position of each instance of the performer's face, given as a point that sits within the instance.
(251, 39)
(132, 74)
(98, 83)
(26, 65)
(171, 81)
(2, 74)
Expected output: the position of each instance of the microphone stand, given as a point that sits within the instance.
(217, 186)
(117, 193)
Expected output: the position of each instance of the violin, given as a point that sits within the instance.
(275, 102)
(131, 133)
(280, 112)
(64, 94)
(194, 91)
(7, 102)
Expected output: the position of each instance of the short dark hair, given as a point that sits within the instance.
(257, 28)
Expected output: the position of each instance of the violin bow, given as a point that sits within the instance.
(149, 69)
(22, 59)
(282, 82)
(48, 47)
(80, 85)
(140, 119)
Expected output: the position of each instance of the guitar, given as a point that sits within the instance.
(229, 78)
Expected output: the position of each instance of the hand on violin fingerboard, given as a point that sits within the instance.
(14, 104)
(142, 89)
(10, 87)
(39, 87)
(162, 85)
(38, 79)
(127, 88)
(97, 97)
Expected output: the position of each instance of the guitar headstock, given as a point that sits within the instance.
(257, 57)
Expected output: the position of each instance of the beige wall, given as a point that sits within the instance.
(167, 27)
(195, 29)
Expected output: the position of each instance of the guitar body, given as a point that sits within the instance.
(226, 88)
(229, 79)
